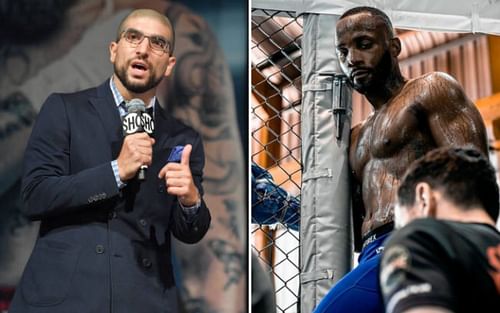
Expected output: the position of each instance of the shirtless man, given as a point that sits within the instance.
(410, 118)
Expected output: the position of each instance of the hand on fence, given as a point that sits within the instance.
(272, 204)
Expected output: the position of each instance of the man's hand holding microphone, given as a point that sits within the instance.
(137, 149)
(137, 154)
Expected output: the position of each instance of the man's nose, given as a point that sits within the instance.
(143, 46)
(354, 57)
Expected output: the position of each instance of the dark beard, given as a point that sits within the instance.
(152, 82)
(381, 75)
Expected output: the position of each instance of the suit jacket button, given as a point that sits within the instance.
(99, 249)
(161, 188)
(143, 222)
(146, 262)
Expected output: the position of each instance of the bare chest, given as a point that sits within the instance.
(388, 135)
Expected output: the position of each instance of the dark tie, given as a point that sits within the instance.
(150, 111)
(124, 107)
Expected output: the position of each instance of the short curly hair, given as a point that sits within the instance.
(374, 12)
(464, 175)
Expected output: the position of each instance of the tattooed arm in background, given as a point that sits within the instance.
(201, 95)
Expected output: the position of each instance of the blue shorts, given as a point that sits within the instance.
(358, 291)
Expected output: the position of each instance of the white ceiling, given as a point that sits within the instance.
(476, 16)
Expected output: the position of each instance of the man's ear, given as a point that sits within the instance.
(170, 66)
(395, 46)
(112, 51)
(425, 200)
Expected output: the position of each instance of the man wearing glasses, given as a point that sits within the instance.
(104, 240)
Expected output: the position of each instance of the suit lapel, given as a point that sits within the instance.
(105, 106)
(107, 111)
(164, 134)
(162, 129)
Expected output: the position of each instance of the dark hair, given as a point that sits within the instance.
(463, 174)
(374, 12)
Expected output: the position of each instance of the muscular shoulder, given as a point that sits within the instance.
(437, 80)
(437, 90)
(443, 103)
(355, 132)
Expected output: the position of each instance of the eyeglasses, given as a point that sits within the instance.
(157, 43)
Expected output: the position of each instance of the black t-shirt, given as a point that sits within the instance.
(442, 263)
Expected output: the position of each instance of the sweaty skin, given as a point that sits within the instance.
(410, 117)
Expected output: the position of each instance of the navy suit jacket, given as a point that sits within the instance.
(101, 249)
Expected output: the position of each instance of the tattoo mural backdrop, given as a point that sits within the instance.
(57, 45)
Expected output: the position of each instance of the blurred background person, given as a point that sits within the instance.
(263, 293)
(447, 257)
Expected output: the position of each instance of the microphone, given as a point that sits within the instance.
(137, 120)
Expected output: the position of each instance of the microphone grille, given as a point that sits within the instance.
(135, 105)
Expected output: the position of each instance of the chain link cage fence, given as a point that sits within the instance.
(275, 122)
(276, 149)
